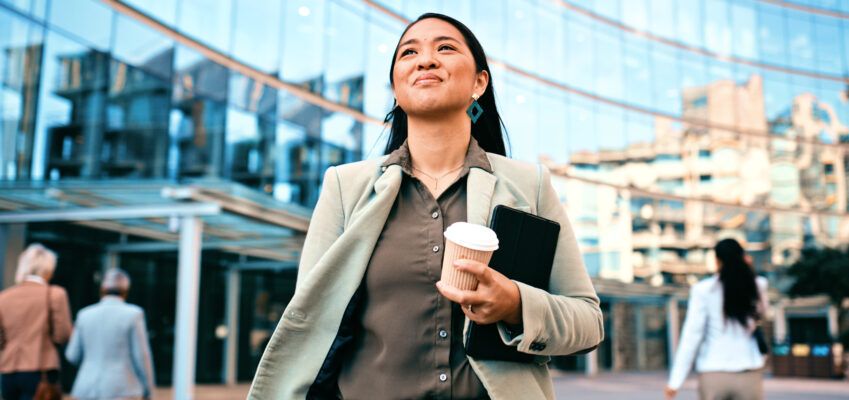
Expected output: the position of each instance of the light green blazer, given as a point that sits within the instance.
(352, 209)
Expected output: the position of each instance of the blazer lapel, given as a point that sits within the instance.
(479, 189)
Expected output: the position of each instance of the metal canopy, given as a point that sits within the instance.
(236, 219)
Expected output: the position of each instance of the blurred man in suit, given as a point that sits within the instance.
(27, 339)
(110, 340)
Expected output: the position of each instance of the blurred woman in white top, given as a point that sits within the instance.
(721, 318)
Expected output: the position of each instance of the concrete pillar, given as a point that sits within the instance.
(673, 328)
(231, 344)
(779, 323)
(188, 290)
(592, 363)
(12, 242)
(833, 329)
(640, 333)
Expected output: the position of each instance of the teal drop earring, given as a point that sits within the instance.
(475, 110)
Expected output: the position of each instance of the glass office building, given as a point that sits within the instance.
(668, 124)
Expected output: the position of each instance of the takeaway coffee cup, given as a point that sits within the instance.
(466, 241)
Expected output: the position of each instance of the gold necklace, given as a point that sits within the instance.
(436, 180)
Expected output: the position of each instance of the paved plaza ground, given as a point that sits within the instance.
(610, 386)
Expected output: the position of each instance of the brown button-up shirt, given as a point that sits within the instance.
(409, 343)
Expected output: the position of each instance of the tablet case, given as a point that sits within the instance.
(526, 246)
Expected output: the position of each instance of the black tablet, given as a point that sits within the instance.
(526, 246)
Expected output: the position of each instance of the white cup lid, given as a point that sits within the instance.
(475, 237)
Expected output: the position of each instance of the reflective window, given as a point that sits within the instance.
(745, 26)
(772, 37)
(662, 17)
(198, 116)
(553, 125)
(635, 14)
(142, 47)
(135, 142)
(666, 86)
(289, 175)
(20, 65)
(197, 16)
(34, 7)
(71, 120)
(517, 106)
(522, 19)
(609, 68)
(637, 73)
(830, 57)
(689, 22)
(89, 20)
(378, 95)
(256, 33)
(303, 44)
(251, 131)
(583, 136)
(800, 39)
(492, 36)
(163, 10)
(609, 9)
(717, 32)
(551, 40)
(345, 57)
(580, 54)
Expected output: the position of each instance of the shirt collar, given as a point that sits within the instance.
(35, 279)
(111, 298)
(475, 158)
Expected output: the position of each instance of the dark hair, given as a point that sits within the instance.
(740, 293)
(487, 130)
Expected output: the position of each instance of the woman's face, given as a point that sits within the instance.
(435, 71)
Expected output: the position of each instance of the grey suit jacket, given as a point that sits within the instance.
(353, 206)
(110, 339)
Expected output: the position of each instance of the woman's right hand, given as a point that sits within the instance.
(669, 393)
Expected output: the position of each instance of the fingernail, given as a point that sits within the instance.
(459, 263)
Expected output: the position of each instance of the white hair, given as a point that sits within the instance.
(35, 260)
(115, 279)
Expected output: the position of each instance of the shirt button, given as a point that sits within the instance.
(443, 334)
(443, 377)
(435, 215)
(435, 249)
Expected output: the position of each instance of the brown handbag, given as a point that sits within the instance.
(47, 390)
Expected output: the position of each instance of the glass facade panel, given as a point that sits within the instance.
(72, 110)
(801, 48)
(197, 117)
(345, 62)
(163, 10)
(196, 17)
(773, 37)
(21, 48)
(88, 20)
(257, 33)
(303, 44)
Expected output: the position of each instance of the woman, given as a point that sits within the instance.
(26, 338)
(368, 318)
(110, 346)
(718, 330)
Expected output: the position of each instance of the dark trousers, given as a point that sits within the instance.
(21, 385)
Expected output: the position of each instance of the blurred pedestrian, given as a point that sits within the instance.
(368, 318)
(722, 316)
(110, 339)
(34, 317)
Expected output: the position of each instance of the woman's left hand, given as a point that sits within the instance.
(496, 298)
